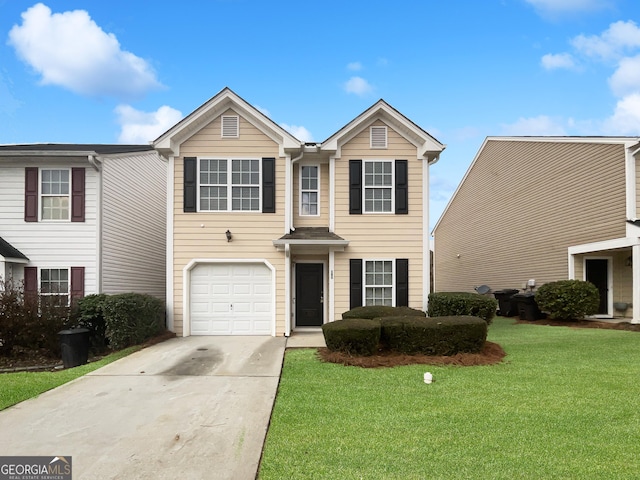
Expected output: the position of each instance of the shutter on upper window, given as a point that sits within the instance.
(77, 283)
(31, 194)
(230, 126)
(190, 184)
(77, 194)
(402, 190)
(379, 137)
(355, 186)
(268, 185)
(355, 282)
(402, 282)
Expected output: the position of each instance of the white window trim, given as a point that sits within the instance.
(68, 293)
(392, 187)
(237, 126)
(317, 190)
(229, 185)
(41, 195)
(386, 137)
(364, 278)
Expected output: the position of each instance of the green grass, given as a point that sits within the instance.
(20, 386)
(563, 405)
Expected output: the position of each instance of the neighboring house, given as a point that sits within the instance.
(83, 219)
(546, 208)
(267, 233)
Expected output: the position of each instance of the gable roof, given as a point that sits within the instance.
(8, 251)
(169, 142)
(426, 144)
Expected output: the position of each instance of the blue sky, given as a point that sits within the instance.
(124, 71)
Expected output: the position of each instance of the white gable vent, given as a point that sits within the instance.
(230, 126)
(378, 137)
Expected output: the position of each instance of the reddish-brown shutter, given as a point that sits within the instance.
(31, 194)
(77, 283)
(30, 280)
(77, 194)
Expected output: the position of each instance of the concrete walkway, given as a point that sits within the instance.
(188, 408)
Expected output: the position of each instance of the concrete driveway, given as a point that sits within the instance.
(188, 408)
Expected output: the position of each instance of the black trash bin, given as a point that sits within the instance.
(74, 344)
(527, 306)
(507, 306)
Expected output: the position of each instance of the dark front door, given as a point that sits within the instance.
(597, 272)
(309, 294)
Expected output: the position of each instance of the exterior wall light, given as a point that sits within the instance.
(229, 236)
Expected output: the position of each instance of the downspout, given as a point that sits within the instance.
(290, 194)
(95, 163)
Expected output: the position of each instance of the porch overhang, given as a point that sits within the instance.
(311, 237)
(10, 254)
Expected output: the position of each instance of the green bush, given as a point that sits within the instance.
(377, 311)
(568, 299)
(132, 318)
(88, 313)
(434, 335)
(354, 336)
(12, 316)
(443, 304)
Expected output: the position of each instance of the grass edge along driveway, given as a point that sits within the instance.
(19, 386)
(561, 405)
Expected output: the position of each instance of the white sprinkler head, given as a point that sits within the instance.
(428, 378)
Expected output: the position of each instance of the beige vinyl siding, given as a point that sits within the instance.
(134, 224)
(522, 204)
(321, 220)
(379, 236)
(202, 235)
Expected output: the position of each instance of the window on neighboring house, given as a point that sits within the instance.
(54, 194)
(230, 126)
(378, 186)
(220, 191)
(54, 283)
(309, 186)
(378, 282)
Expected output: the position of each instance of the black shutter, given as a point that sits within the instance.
(268, 185)
(402, 282)
(190, 184)
(31, 194)
(355, 186)
(355, 282)
(77, 194)
(402, 191)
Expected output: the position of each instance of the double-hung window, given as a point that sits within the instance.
(54, 194)
(378, 282)
(309, 187)
(378, 186)
(229, 184)
(54, 283)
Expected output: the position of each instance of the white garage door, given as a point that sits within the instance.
(231, 299)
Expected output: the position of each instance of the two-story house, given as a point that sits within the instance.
(79, 219)
(547, 209)
(267, 234)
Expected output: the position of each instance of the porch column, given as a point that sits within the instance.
(2, 274)
(287, 290)
(635, 257)
(331, 294)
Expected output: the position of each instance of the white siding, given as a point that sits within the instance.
(50, 244)
(134, 224)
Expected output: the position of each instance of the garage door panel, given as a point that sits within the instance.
(231, 299)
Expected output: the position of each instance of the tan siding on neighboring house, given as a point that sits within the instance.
(321, 220)
(202, 235)
(379, 236)
(134, 213)
(519, 208)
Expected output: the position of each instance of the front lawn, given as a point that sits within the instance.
(19, 386)
(563, 404)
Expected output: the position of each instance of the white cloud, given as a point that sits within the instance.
(143, 127)
(534, 126)
(264, 111)
(555, 8)
(553, 61)
(626, 117)
(354, 66)
(70, 50)
(358, 85)
(299, 132)
(626, 79)
(619, 38)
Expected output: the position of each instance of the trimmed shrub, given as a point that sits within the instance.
(132, 318)
(355, 336)
(434, 335)
(13, 316)
(568, 299)
(88, 313)
(377, 311)
(443, 304)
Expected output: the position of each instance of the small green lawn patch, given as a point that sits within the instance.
(559, 406)
(20, 386)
